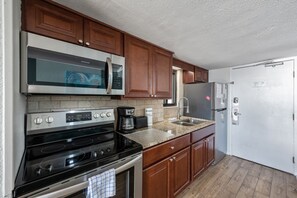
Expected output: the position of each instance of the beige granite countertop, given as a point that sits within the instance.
(163, 131)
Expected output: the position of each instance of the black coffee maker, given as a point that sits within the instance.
(125, 123)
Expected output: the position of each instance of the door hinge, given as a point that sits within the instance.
(293, 159)
(293, 116)
(293, 74)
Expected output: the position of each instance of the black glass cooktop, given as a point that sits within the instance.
(53, 157)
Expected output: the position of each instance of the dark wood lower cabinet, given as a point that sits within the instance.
(198, 158)
(203, 153)
(171, 166)
(156, 180)
(168, 177)
(181, 165)
(210, 149)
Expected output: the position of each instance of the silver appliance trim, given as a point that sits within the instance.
(80, 182)
(45, 43)
(58, 120)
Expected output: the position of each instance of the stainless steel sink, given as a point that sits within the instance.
(188, 122)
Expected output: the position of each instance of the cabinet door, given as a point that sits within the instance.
(181, 170)
(138, 56)
(205, 76)
(210, 149)
(156, 180)
(198, 158)
(44, 18)
(198, 74)
(103, 38)
(188, 77)
(162, 73)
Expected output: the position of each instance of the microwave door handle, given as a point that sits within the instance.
(66, 191)
(110, 75)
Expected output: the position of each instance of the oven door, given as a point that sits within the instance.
(51, 66)
(128, 181)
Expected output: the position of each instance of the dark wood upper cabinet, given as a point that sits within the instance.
(138, 56)
(201, 75)
(100, 37)
(148, 70)
(191, 73)
(188, 77)
(162, 73)
(183, 65)
(49, 20)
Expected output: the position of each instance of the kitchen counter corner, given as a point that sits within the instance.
(163, 131)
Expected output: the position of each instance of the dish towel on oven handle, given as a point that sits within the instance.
(102, 185)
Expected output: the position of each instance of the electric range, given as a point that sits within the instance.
(62, 145)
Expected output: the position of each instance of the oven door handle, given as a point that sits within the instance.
(66, 191)
(110, 75)
(128, 165)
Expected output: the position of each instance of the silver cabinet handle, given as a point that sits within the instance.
(87, 43)
(109, 85)
(174, 158)
(152, 95)
(80, 41)
(237, 114)
(172, 147)
(155, 95)
(170, 160)
(66, 191)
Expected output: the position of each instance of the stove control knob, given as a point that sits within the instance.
(108, 114)
(38, 171)
(102, 115)
(49, 168)
(38, 120)
(96, 115)
(49, 119)
(101, 152)
(95, 154)
(108, 150)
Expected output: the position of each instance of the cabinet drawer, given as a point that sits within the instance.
(164, 150)
(202, 133)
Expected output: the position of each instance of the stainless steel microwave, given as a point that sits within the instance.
(50, 66)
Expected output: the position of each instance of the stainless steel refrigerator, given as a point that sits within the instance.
(209, 101)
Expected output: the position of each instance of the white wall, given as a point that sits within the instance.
(1, 96)
(224, 76)
(14, 103)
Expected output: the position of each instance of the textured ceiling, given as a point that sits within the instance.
(211, 34)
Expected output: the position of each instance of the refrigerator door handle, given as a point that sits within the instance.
(219, 110)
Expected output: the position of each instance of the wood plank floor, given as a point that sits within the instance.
(237, 178)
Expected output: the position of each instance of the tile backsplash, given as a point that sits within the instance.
(170, 112)
(40, 103)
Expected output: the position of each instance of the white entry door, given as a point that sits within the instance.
(264, 133)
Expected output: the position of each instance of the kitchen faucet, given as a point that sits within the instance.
(187, 106)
